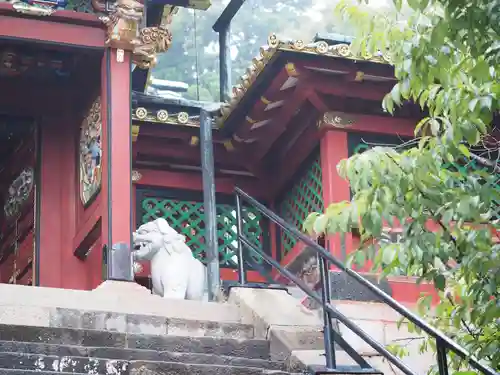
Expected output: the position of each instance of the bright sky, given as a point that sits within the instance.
(318, 11)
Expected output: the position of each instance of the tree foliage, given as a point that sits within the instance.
(446, 59)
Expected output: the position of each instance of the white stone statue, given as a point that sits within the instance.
(176, 273)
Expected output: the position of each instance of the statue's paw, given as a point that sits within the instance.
(137, 268)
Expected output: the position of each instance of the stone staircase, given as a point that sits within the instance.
(47, 350)
(120, 329)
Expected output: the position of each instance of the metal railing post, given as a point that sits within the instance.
(327, 318)
(441, 357)
(239, 231)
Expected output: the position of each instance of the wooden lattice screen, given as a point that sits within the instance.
(302, 198)
(186, 215)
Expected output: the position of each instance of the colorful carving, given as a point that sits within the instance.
(38, 7)
(136, 176)
(123, 24)
(17, 61)
(18, 193)
(154, 40)
(91, 153)
(336, 120)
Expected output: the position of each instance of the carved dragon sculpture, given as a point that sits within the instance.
(154, 40)
(123, 24)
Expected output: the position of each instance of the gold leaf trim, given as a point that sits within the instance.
(194, 141)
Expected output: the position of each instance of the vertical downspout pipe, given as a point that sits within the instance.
(223, 27)
(208, 176)
(225, 63)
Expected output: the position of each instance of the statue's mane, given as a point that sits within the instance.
(174, 241)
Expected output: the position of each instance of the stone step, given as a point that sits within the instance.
(12, 347)
(175, 368)
(246, 348)
(81, 365)
(36, 372)
(27, 305)
(122, 322)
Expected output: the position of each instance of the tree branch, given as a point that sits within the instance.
(486, 162)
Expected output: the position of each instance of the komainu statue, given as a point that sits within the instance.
(176, 273)
(123, 24)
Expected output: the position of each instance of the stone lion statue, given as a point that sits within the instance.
(176, 273)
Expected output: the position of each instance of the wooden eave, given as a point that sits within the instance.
(166, 135)
(291, 90)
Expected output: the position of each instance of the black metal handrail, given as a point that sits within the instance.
(443, 342)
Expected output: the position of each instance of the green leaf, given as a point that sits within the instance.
(389, 254)
(464, 150)
(440, 282)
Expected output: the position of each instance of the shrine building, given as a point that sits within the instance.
(87, 155)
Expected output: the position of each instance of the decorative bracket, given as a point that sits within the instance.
(125, 33)
(336, 119)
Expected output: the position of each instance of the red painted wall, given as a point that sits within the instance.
(335, 189)
(62, 216)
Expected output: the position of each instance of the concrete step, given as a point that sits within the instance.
(175, 368)
(27, 305)
(246, 348)
(125, 322)
(36, 372)
(199, 370)
(9, 348)
(81, 365)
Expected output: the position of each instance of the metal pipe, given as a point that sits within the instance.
(208, 175)
(223, 27)
(227, 15)
(109, 122)
(225, 63)
(239, 232)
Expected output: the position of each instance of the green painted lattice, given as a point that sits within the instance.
(305, 196)
(188, 218)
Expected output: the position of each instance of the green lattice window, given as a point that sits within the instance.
(188, 218)
(304, 196)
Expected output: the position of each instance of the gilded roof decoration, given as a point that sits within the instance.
(274, 44)
(162, 116)
(342, 50)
